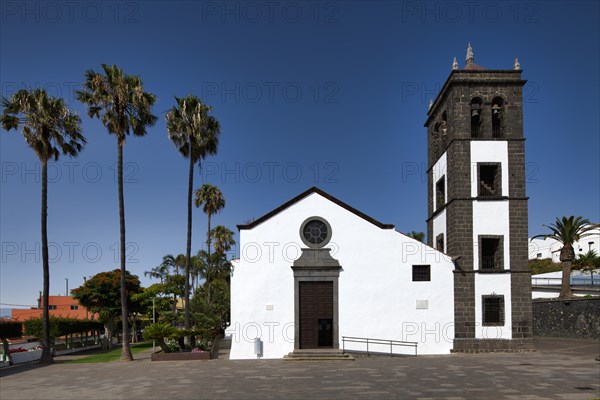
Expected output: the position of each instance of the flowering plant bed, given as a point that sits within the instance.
(26, 356)
(187, 356)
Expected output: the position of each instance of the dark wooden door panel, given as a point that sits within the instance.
(316, 314)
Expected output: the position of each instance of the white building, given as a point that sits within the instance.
(315, 270)
(550, 248)
(378, 283)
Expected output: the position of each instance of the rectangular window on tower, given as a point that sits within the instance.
(491, 253)
(440, 193)
(421, 273)
(439, 242)
(493, 310)
(489, 178)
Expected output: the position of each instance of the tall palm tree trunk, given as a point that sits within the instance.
(565, 290)
(188, 249)
(46, 357)
(126, 349)
(209, 263)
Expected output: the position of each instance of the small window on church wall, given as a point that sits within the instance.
(439, 242)
(493, 310)
(476, 117)
(489, 180)
(440, 193)
(421, 273)
(436, 139)
(444, 128)
(51, 307)
(491, 253)
(498, 117)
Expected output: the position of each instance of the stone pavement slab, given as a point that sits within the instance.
(560, 369)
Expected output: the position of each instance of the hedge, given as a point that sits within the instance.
(10, 328)
(60, 326)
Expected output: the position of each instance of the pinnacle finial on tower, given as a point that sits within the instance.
(517, 65)
(454, 64)
(470, 58)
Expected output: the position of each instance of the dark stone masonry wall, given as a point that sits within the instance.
(578, 318)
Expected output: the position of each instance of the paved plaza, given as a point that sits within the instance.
(559, 369)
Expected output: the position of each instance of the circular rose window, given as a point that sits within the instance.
(315, 232)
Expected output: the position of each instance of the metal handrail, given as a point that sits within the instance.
(392, 343)
(557, 281)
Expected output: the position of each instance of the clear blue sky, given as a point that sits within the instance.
(332, 94)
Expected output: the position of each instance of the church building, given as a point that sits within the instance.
(315, 274)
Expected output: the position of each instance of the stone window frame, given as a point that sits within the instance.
(497, 179)
(438, 204)
(440, 238)
(501, 310)
(324, 242)
(417, 277)
(499, 253)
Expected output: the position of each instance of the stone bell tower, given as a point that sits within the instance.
(477, 207)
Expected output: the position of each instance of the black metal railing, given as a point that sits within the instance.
(497, 131)
(372, 341)
(488, 262)
(487, 190)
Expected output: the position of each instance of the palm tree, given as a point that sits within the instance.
(196, 135)
(49, 128)
(213, 201)
(588, 262)
(223, 239)
(123, 105)
(159, 272)
(567, 231)
(417, 235)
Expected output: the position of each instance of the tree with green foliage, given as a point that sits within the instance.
(223, 239)
(588, 263)
(101, 294)
(49, 128)
(124, 107)
(420, 236)
(195, 133)
(567, 230)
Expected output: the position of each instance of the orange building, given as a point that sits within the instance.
(59, 306)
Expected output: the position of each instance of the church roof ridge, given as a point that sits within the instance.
(306, 193)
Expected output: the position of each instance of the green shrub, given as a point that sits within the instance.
(543, 265)
(10, 328)
(161, 332)
(60, 326)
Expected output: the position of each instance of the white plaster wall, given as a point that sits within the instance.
(439, 169)
(497, 284)
(377, 297)
(550, 248)
(491, 218)
(439, 226)
(489, 151)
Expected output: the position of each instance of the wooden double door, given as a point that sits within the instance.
(316, 314)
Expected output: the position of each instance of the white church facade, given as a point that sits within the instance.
(316, 271)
